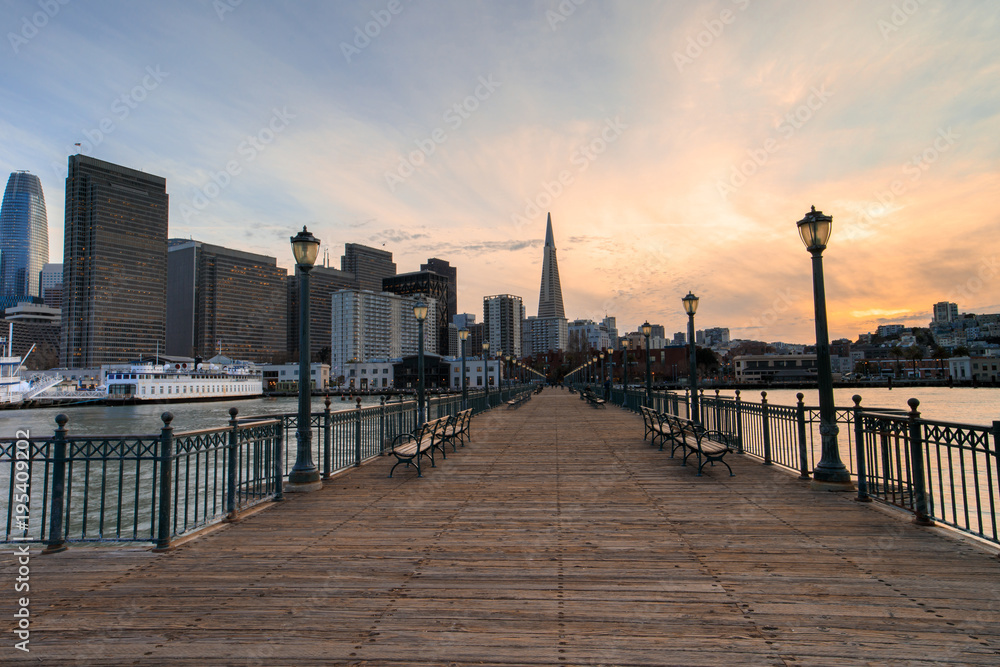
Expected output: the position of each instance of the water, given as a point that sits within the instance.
(145, 418)
(965, 405)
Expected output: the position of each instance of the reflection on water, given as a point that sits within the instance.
(145, 419)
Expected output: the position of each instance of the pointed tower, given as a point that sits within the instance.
(550, 300)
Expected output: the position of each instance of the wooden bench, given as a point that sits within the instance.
(711, 446)
(663, 427)
(411, 447)
(594, 400)
(458, 428)
(517, 401)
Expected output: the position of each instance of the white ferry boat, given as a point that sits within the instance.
(183, 382)
(11, 387)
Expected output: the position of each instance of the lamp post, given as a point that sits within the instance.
(486, 370)
(647, 329)
(691, 307)
(830, 474)
(420, 312)
(625, 364)
(463, 335)
(611, 365)
(506, 368)
(304, 475)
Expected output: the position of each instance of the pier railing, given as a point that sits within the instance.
(153, 488)
(941, 471)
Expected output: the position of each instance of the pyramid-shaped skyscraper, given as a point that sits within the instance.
(548, 331)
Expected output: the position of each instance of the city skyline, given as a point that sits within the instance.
(675, 145)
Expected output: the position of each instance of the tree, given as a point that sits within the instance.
(706, 359)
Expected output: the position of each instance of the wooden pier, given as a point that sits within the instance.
(557, 536)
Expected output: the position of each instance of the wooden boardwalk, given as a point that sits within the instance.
(556, 537)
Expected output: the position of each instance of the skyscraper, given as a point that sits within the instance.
(549, 331)
(550, 301)
(24, 238)
(323, 282)
(431, 285)
(114, 264)
(444, 268)
(369, 265)
(219, 299)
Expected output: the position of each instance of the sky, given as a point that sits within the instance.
(675, 144)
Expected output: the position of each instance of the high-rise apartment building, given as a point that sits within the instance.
(369, 265)
(502, 318)
(434, 286)
(24, 238)
(368, 326)
(114, 264)
(323, 282)
(945, 311)
(224, 301)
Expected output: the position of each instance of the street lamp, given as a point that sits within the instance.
(506, 368)
(830, 474)
(463, 335)
(691, 307)
(647, 329)
(486, 370)
(625, 364)
(304, 475)
(420, 312)
(611, 365)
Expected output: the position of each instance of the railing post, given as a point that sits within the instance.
(920, 504)
(327, 438)
(739, 423)
(717, 412)
(800, 417)
(381, 428)
(166, 482)
(766, 427)
(56, 541)
(279, 465)
(357, 434)
(859, 448)
(231, 465)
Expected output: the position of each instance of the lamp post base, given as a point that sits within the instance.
(823, 485)
(302, 487)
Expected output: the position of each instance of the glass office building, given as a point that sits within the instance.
(24, 238)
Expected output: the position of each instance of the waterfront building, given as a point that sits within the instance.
(224, 301)
(323, 283)
(114, 263)
(366, 326)
(502, 317)
(367, 375)
(765, 368)
(475, 372)
(430, 285)
(590, 335)
(370, 266)
(24, 238)
(35, 325)
(285, 377)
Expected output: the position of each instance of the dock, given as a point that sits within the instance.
(556, 536)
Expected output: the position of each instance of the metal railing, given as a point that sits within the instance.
(153, 488)
(941, 471)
